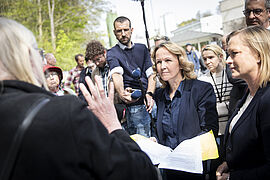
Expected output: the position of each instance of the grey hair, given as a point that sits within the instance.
(19, 54)
(267, 3)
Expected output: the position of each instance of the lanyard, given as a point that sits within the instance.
(220, 94)
(221, 88)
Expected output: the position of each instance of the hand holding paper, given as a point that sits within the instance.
(187, 156)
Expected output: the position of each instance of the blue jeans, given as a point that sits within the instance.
(138, 120)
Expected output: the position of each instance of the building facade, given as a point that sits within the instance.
(199, 33)
(232, 15)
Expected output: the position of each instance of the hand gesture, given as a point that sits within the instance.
(101, 105)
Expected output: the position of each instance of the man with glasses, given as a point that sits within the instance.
(96, 53)
(123, 59)
(257, 12)
(95, 58)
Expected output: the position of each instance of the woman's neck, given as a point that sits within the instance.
(253, 85)
(218, 69)
(252, 79)
(174, 84)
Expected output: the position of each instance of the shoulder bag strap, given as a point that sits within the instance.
(17, 140)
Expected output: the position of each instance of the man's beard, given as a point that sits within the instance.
(125, 40)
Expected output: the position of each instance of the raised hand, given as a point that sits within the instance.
(101, 105)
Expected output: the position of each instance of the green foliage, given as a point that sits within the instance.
(186, 22)
(66, 49)
(75, 21)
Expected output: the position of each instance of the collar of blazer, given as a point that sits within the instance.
(247, 112)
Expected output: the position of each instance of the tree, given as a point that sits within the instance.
(39, 21)
(51, 15)
(62, 27)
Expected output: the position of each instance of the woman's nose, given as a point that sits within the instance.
(229, 60)
(163, 65)
(207, 61)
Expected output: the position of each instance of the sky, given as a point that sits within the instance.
(172, 12)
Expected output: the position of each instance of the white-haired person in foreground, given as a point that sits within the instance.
(65, 140)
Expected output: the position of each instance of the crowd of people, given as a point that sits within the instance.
(171, 94)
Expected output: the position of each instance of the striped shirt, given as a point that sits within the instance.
(222, 89)
(104, 74)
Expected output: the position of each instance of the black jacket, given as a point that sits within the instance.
(65, 140)
(197, 113)
(248, 146)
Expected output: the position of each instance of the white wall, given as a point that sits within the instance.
(212, 24)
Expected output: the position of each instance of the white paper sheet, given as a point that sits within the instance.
(186, 156)
(154, 150)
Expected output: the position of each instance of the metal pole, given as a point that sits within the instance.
(146, 32)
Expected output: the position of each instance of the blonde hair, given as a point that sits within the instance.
(19, 54)
(217, 51)
(257, 38)
(187, 67)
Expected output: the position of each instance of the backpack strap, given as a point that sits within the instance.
(17, 139)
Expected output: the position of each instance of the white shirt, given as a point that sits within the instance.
(240, 112)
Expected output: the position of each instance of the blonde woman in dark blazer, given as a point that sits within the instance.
(186, 106)
(247, 133)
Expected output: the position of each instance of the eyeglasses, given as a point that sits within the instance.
(256, 12)
(49, 74)
(98, 58)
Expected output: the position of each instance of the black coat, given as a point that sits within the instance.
(65, 140)
(248, 145)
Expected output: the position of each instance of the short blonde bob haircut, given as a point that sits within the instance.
(187, 70)
(257, 38)
(19, 54)
(217, 51)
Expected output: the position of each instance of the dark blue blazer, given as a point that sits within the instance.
(197, 111)
(248, 145)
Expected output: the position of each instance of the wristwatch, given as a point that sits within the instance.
(149, 93)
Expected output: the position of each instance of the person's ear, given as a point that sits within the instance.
(131, 30)
(105, 54)
(221, 57)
